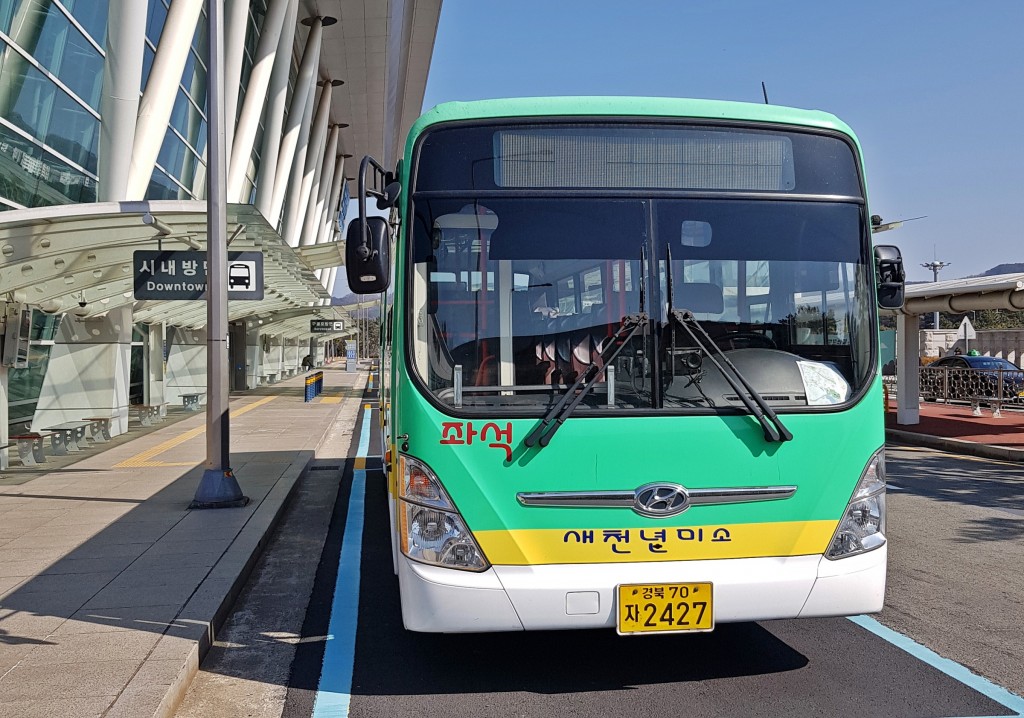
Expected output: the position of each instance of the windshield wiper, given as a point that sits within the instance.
(562, 409)
(754, 402)
(541, 434)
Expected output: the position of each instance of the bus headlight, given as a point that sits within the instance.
(862, 527)
(430, 527)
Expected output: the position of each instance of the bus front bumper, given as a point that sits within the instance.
(516, 598)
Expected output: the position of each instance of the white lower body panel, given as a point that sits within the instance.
(514, 598)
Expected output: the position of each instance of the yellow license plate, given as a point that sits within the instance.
(665, 608)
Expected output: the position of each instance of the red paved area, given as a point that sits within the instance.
(955, 421)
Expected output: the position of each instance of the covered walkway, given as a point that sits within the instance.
(111, 589)
(308, 88)
(958, 295)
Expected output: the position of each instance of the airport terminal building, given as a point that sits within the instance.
(103, 169)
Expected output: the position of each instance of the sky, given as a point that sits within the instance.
(934, 90)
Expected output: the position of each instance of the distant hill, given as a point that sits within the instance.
(347, 299)
(352, 299)
(1010, 268)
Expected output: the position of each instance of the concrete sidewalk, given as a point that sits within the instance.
(954, 427)
(111, 589)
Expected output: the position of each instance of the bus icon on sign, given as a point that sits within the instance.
(239, 275)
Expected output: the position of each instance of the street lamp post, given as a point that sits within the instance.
(218, 488)
(935, 266)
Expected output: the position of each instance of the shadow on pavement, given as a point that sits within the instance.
(139, 572)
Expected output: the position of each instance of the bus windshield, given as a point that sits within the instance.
(515, 295)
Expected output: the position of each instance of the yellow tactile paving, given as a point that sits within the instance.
(144, 459)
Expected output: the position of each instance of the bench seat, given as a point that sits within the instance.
(99, 428)
(65, 437)
(192, 400)
(147, 414)
(30, 447)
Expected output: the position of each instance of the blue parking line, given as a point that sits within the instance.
(334, 693)
(951, 668)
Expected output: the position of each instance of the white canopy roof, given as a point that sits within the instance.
(1002, 291)
(56, 257)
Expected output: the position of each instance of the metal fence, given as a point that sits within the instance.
(977, 386)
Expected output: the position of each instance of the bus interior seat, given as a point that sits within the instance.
(700, 297)
(557, 349)
(594, 331)
(487, 370)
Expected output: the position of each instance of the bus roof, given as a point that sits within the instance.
(624, 107)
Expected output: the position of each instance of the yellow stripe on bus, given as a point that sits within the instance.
(524, 547)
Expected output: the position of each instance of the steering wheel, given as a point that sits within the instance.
(746, 340)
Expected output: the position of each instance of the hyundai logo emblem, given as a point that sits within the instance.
(660, 500)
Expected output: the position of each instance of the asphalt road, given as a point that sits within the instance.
(955, 530)
(956, 559)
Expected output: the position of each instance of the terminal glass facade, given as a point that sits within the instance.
(51, 74)
(27, 383)
(51, 70)
(53, 58)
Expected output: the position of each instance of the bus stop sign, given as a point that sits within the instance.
(326, 325)
(182, 275)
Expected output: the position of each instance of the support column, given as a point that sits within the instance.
(236, 25)
(88, 372)
(400, 24)
(264, 65)
(325, 187)
(253, 353)
(119, 103)
(312, 172)
(155, 365)
(323, 183)
(908, 373)
(328, 221)
(5, 415)
(218, 487)
(332, 279)
(161, 91)
(293, 192)
(291, 356)
(305, 85)
(122, 323)
(277, 102)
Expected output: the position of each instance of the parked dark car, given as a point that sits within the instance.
(991, 369)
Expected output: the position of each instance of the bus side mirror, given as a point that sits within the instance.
(389, 196)
(367, 260)
(890, 276)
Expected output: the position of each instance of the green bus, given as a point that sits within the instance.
(630, 364)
